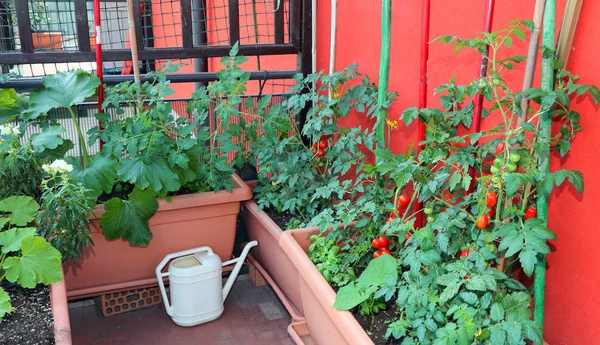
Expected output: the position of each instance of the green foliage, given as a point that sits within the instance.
(323, 254)
(296, 175)
(380, 272)
(20, 167)
(25, 258)
(456, 282)
(63, 217)
(129, 218)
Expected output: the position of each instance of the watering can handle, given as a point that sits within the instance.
(160, 275)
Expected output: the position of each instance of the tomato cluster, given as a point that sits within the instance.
(501, 165)
(318, 149)
(382, 244)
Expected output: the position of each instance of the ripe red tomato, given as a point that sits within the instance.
(500, 147)
(407, 237)
(323, 144)
(320, 153)
(483, 221)
(403, 200)
(383, 242)
(375, 243)
(376, 255)
(467, 276)
(530, 213)
(385, 251)
(313, 150)
(464, 253)
(492, 213)
(490, 199)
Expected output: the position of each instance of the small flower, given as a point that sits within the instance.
(5, 130)
(46, 168)
(273, 183)
(393, 124)
(16, 131)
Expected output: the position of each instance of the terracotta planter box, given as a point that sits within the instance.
(325, 324)
(47, 40)
(275, 265)
(60, 312)
(188, 221)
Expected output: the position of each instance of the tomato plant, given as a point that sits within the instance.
(458, 269)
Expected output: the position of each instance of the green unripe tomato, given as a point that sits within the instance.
(494, 170)
(491, 248)
(510, 167)
(498, 161)
(428, 210)
(430, 219)
(482, 83)
(496, 81)
(496, 179)
(514, 157)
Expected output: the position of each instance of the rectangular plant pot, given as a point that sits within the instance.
(60, 313)
(275, 265)
(325, 324)
(188, 221)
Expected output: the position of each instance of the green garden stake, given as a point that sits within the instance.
(384, 69)
(544, 129)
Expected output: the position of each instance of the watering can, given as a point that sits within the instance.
(197, 293)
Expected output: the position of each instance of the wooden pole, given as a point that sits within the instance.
(538, 16)
(567, 30)
(133, 43)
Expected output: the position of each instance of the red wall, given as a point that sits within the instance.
(573, 278)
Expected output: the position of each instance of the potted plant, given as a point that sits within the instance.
(452, 279)
(303, 171)
(26, 260)
(160, 181)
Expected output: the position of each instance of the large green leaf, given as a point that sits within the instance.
(349, 297)
(62, 89)
(153, 172)
(22, 209)
(378, 271)
(10, 240)
(50, 138)
(39, 263)
(99, 176)
(11, 105)
(128, 219)
(5, 306)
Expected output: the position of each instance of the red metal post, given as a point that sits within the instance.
(425, 25)
(478, 107)
(99, 67)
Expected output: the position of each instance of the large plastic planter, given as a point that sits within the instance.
(325, 324)
(188, 221)
(273, 262)
(60, 312)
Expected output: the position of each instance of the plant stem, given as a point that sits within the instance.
(86, 157)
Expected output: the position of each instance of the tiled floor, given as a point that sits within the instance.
(252, 316)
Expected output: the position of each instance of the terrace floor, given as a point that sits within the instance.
(252, 316)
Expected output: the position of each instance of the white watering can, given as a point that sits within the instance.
(197, 294)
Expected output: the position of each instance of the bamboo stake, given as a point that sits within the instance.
(545, 125)
(133, 43)
(532, 54)
(567, 30)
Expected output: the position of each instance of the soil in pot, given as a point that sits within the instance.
(376, 326)
(281, 219)
(31, 321)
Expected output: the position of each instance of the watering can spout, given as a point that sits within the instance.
(236, 269)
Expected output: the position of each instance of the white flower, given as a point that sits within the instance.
(5, 130)
(61, 166)
(16, 131)
(58, 166)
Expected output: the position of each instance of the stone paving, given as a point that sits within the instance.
(252, 316)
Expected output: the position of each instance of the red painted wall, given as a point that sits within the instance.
(573, 278)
